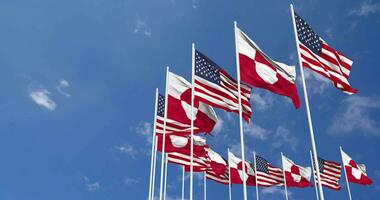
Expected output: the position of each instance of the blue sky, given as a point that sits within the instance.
(78, 80)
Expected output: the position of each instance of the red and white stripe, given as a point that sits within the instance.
(274, 177)
(225, 95)
(331, 64)
(220, 178)
(199, 163)
(330, 175)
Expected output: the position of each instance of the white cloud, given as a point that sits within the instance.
(256, 131)
(218, 126)
(141, 27)
(262, 100)
(283, 137)
(61, 86)
(145, 129)
(366, 8)
(127, 149)
(355, 115)
(41, 97)
(316, 83)
(274, 191)
(91, 186)
(329, 34)
(130, 181)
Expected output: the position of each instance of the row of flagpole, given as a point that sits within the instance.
(163, 176)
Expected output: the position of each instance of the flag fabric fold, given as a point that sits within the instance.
(236, 171)
(296, 175)
(259, 70)
(356, 173)
(317, 55)
(215, 87)
(330, 173)
(218, 170)
(267, 175)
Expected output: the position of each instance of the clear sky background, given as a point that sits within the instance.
(77, 86)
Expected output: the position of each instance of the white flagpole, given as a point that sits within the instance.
(192, 120)
(257, 185)
(183, 182)
(240, 113)
(314, 148)
(166, 174)
(154, 168)
(229, 176)
(283, 172)
(204, 186)
(315, 179)
(345, 173)
(153, 145)
(164, 134)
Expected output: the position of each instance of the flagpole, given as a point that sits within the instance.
(183, 182)
(154, 167)
(153, 145)
(257, 185)
(229, 176)
(283, 172)
(315, 180)
(204, 186)
(345, 173)
(164, 134)
(240, 114)
(314, 148)
(166, 174)
(192, 120)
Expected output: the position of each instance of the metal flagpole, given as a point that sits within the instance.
(153, 145)
(166, 174)
(154, 167)
(257, 185)
(164, 134)
(240, 114)
(204, 186)
(314, 148)
(345, 174)
(183, 182)
(192, 120)
(229, 176)
(283, 172)
(315, 179)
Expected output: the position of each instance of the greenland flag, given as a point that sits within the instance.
(259, 70)
(182, 144)
(236, 170)
(356, 173)
(179, 107)
(295, 175)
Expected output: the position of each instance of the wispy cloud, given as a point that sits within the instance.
(366, 8)
(317, 83)
(270, 191)
(141, 27)
(130, 181)
(256, 131)
(91, 186)
(62, 85)
(127, 149)
(262, 100)
(145, 129)
(283, 137)
(329, 34)
(218, 126)
(355, 114)
(42, 98)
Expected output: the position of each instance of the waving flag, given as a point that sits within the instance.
(267, 175)
(356, 173)
(295, 175)
(330, 173)
(215, 87)
(236, 171)
(317, 55)
(182, 144)
(179, 109)
(259, 70)
(200, 162)
(218, 170)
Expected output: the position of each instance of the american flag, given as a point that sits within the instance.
(200, 163)
(215, 87)
(172, 126)
(267, 175)
(220, 178)
(330, 173)
(321, 58)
